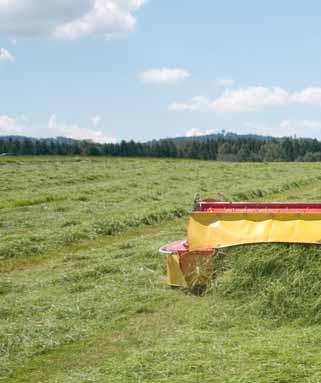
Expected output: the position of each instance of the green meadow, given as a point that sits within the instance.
(83, 294)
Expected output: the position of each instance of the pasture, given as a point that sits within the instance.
(83, 294)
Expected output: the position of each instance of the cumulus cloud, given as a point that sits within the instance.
(250, 99)
(308, 96)
(11, 126)
(67, 18)
(197, 133)
(5, 55)
(164, 75)
(60, 128)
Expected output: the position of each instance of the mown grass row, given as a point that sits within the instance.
(11, 204)
(61, 201)
(261, 193)
(37, 245)
(73, 231)
(279, 282)
(243, 196)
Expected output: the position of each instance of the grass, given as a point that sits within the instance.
(83, 295)
(277, 282)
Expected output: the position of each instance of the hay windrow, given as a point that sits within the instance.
(281, 282)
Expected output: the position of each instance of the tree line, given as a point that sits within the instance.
(219, 149)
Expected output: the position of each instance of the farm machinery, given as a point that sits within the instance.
(214, 225)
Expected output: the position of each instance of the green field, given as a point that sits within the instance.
(83, 295)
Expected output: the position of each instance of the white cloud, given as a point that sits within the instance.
(250, 99)
(5, 55)
(164, 75)
(67, 18)
(226, 82)
(96, 120)
(76, 132)
(196, 132)
(308, 96)
(10, 126)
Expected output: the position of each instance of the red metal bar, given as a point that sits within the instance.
(259, 207)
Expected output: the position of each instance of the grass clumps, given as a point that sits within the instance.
(113, 226)
(280, 282)
(22, 246)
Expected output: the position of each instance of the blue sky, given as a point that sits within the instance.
(133, 69)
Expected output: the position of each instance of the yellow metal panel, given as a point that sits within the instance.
(175, 276)
(213, 230)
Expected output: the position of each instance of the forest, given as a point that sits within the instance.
(222, 148)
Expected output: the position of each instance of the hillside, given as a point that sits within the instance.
(83, 294)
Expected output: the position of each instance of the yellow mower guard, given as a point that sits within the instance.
(219, 230)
